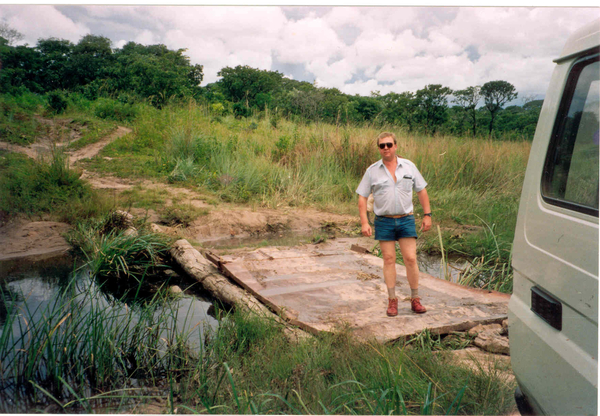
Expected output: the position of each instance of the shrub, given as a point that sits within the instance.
(57, 102)
(240, 110)
(107, 108)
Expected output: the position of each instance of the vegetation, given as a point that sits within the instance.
(117, 357)
(155, 74)
(257, 138)
(43, 187)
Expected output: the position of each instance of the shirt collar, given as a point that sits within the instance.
(397, 160)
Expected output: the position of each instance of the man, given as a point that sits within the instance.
(391, 180)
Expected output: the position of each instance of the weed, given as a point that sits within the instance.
(35, 187)
(181, 215)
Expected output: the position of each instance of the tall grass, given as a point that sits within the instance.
(46, 186)
(273, 162)
(332, 374)
(79, 352)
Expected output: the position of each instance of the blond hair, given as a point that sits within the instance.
(386, 134)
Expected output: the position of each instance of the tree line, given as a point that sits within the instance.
(157, 74)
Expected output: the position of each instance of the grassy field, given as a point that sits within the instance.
(266, 161)
(474, 185)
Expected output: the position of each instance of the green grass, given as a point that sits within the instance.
(46, 187)
(474, 184)
(92, 129)
(331, 374)
(17, 122)
(116, 254)
(83, 356)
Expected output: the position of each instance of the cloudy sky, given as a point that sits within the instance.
(355, 49)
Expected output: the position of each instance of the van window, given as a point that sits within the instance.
(570, 177)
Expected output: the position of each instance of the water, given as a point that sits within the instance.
(32, 293)
(432, 264)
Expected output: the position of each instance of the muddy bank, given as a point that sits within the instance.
(38, 240)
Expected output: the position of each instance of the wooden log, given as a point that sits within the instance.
(197, 267)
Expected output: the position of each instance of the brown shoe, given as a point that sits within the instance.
(415, 305)
(392, 309)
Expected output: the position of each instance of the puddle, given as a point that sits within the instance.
(432, 264)
(29, 292)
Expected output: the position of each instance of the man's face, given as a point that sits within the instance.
(389, 148)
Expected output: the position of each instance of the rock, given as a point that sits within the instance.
(495, 328)
(171, 273)
(175, 289)
(130, 231)
(492, 342)
(155, 228)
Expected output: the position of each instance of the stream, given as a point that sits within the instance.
(29, 292)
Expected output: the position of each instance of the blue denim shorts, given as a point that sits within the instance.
(393, 229)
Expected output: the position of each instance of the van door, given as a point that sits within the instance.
(553, 313)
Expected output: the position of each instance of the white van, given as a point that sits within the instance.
(553, 311)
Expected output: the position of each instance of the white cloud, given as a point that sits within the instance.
(307, 40)
(333, 75)
(376, 48)
(37, 22)
(146, 38)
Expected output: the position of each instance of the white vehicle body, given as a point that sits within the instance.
(553, 311)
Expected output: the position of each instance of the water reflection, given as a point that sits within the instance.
(33, 285)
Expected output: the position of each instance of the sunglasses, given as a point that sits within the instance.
(389, 145)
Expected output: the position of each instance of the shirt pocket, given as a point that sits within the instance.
(380, 187)
(406, 184)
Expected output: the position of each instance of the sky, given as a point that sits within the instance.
(356, 49)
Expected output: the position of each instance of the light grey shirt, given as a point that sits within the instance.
(391, 198)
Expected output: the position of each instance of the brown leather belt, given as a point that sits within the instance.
(397, 216)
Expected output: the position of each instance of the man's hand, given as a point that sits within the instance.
(366, 230)
(426, 223)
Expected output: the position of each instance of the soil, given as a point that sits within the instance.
(38, 240)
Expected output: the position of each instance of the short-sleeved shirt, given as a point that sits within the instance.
(391, 198)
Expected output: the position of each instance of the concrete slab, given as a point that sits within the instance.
(320, 287)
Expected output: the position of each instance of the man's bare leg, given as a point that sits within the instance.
(388, 250)
(408, 248)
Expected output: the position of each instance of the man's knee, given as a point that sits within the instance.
(410, 260)
(389, 258)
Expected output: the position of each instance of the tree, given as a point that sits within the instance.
(55, 56)
(399, 109)
(155, 72)
(432, 105)
(90, 60)
(495, 95)
(468, 100)
(10, 34)
(21, 67)
(244, 83)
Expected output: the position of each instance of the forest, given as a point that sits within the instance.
(92, 69)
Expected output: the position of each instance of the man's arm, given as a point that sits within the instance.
(364, 220)
(424, 200)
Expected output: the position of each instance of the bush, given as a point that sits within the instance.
(107, 108)
(57, 102)
(33, 187)
(240, 110)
